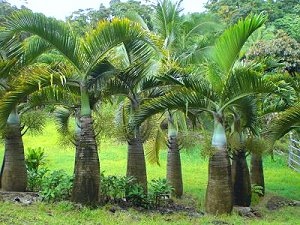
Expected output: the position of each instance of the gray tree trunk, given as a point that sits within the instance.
(87, 166)
(241, 180)
(174, 173)
(14, 173)
(219, 196)
(257, 171)
(136, 165)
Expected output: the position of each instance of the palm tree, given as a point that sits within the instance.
(244, 123)
(13, 175)
(182, 46)
(136, 83)
(271, 107)
(221, 91)
(13, 171)
(166, 22)
(84, 56)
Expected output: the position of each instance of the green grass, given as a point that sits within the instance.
(279, 179)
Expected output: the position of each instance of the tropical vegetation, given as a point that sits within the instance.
(223, 82)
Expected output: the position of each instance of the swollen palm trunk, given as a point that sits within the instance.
(174, 174)
(241, 180)
(257, 172)
(14, 174)
(219, 196)
(136, 166)
(87, 166)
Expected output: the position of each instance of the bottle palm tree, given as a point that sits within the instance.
(13, 64)
(83, 56)
(135, 82)
(182, 46)
(13, 176)
(224, 87)
(244, 123)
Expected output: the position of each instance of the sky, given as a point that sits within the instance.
(62, 8)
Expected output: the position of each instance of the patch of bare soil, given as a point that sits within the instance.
(25, 198)
(247, 212)
(276, 202)
(167, 208)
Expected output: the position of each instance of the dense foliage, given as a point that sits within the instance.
(150, 75)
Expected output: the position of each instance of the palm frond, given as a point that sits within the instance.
(229, 45)
(40, 77)
(6, 67)
(115, 87)
(152, 151)
(166, 20)
(247, 110)
(285, 123)
(200, 85)
(99, 75)
(245, 82)
(135, 17)
(149, 83)
(108, 35)
(51, 95)
(34, 46)
(62, 118)
(55, 32)
(183, 100)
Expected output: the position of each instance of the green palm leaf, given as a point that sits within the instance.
(166, 20)
(183, 100)
(229, 45)
(285, 123)
(245, 82)
(109, 35)
(40, 78)
(34, 46)
(51, 30)
(247, 109)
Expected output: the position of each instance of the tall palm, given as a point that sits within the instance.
(136, 83)
(13, 176)
(84, 56)
(167, 21)
(182, 45)
(244, 123)
(224, 87)
(271, 107)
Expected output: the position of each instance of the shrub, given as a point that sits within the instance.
(160, 190)
(35, 179)
(135, 195)
(122, 188)
(35, 158)
(56, 186)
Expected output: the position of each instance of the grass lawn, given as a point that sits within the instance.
(279, 179)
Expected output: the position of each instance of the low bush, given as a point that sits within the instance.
(120, 188)
(35, 179)
(34, 158)
(160, 191)
(56, 186)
